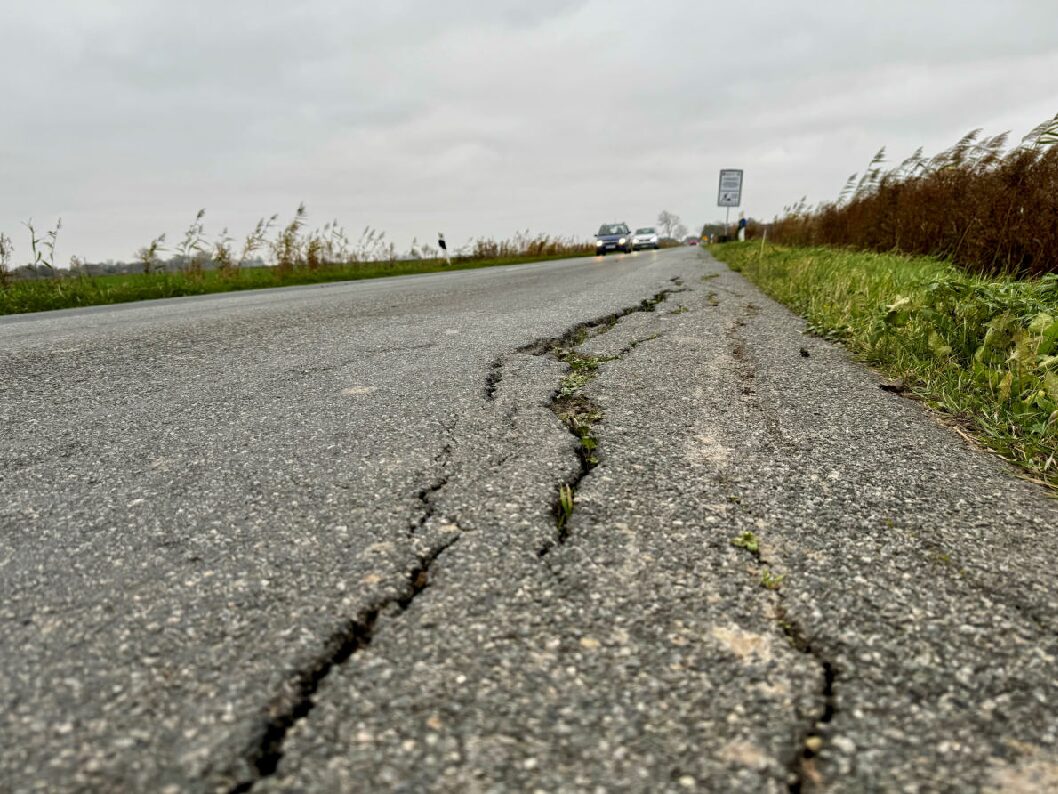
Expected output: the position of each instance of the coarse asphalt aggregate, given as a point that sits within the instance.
(306, 540)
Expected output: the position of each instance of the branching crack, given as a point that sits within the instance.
(636, 343)
(262, 757)
(265, 753)
(578, 413)
(578, 333)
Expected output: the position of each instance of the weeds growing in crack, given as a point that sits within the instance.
(579, 414)
(565, 504)
(748, 541)
(770, 580)
(576, 411)
(582, 369)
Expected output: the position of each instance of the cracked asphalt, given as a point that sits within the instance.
(306, 540)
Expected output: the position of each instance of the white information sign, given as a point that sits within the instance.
(730, 187)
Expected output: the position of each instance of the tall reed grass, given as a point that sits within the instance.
(281, 254)
(986, 207)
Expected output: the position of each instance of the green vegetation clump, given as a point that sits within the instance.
(748, 541)
(582, 369)
(565, 504)
(769, 580)
(983, 350)
(578, 413)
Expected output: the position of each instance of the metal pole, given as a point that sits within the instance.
(727, 222)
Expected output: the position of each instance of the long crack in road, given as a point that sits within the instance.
(593, 524)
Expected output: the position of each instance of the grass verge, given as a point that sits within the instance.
(984, 351)
(20, 297)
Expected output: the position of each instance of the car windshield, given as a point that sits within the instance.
(617, 228)
(645, 230)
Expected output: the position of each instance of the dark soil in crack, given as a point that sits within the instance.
(493, 378)
(581, 331)
(265, 753)
(803, 775)
(800, 762)
(579, 415)
(425, 495)
(576, 411)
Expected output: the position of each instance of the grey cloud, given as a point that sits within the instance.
(483, 116)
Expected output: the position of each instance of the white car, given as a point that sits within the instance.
(647, 237)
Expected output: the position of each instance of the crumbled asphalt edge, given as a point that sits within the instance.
(557, 347)
(802, 775)
(265, 753)
(493, 378)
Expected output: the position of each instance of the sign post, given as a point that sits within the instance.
(730, 192)
(444, 247)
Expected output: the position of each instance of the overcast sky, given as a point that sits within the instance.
(483, 117)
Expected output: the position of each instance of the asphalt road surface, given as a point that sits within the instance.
(306, 540)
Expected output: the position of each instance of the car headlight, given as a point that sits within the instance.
(654, 239)
(598, 243)
(621, 241)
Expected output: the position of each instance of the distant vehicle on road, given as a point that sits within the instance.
(613, 237)
(647, 237)
(692, 241)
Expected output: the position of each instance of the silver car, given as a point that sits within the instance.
(647, 237)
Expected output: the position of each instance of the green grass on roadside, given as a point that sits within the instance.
(983, 350)
(20, 297)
